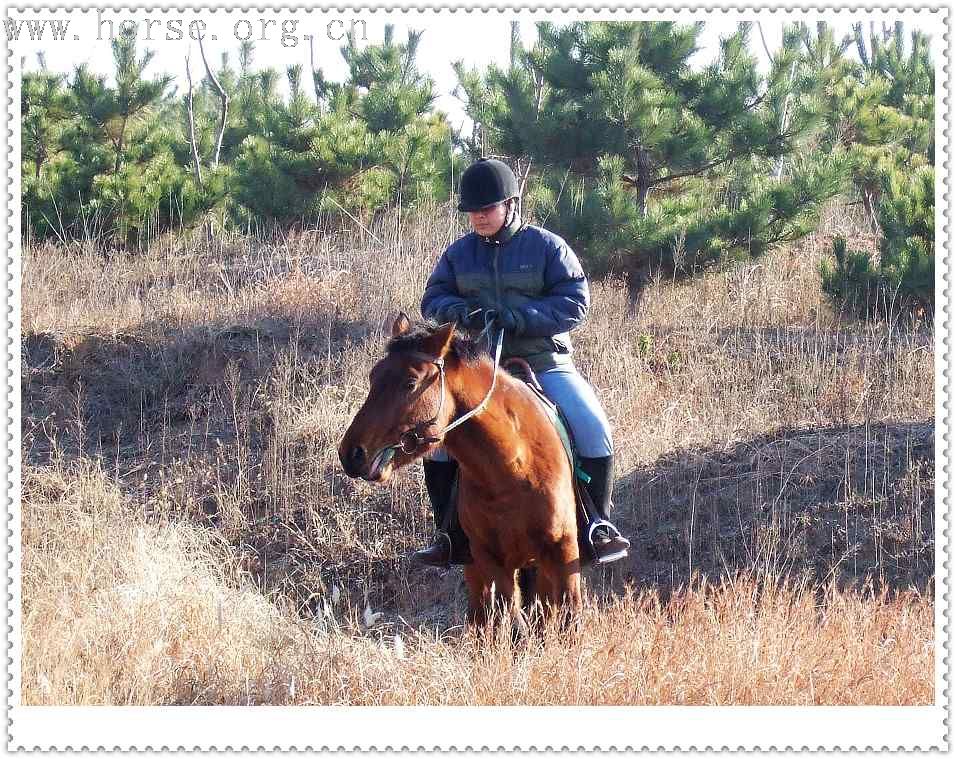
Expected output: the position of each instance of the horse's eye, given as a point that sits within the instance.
(410, 384)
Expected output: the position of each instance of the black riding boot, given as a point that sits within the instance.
(609, 545)
(451, 543)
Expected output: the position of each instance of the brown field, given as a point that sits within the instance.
(189, 537)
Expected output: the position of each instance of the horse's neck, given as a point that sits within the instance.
(488, 443)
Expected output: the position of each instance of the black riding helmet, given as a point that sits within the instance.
(485, 183)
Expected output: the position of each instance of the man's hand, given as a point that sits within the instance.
(457, 313)
(468, 316)
(475, 319)
(510, 321)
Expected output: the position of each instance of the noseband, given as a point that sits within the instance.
(415, 438)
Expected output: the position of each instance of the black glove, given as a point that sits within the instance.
(475, 319)
(510, 321)
(457, 313)
(469, 317)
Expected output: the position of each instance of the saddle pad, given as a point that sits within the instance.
(560, 425)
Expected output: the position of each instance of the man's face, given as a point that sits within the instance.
(488, 221)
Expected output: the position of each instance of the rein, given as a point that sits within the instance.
(414, 438)
(494, 376)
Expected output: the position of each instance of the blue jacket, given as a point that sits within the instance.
(535, 273)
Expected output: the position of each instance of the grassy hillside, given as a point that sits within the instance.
(189, 535)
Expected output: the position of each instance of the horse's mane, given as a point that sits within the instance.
(463, 348)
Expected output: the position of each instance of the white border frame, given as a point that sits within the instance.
(473, 728)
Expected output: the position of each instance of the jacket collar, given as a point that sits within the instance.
(510, 229)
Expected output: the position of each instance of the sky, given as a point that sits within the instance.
(477, 38)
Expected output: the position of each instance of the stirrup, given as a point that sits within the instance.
(614, 533)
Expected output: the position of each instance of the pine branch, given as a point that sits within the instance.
(700, 170)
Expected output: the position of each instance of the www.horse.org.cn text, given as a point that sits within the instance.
(286, 31)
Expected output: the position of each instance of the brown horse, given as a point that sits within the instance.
(515, 498)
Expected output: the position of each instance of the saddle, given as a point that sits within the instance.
(587, 516)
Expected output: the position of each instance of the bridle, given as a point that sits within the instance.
(413, 439)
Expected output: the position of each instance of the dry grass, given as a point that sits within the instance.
(187, 525)
(120, 609)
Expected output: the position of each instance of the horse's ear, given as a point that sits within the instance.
(400, 325)
(437, 344)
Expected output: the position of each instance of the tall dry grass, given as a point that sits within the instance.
(189, 536)
(121, 609)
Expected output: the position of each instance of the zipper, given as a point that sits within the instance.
(494, 263)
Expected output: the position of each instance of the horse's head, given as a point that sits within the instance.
(405, 405)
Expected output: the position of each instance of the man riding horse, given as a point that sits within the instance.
(528, 282)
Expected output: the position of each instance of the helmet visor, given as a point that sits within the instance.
(466, 207)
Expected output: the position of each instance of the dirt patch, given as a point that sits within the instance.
(854, 503)
(104, 389)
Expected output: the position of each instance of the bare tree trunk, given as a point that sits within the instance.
(515, 48)
(785, 118)
(764, 41)
(870, 205)
(119, 145)
(223, 98)
(643, 184)
(523, 173)
(197, 166)
(524, 176)
(538, 99)
(315, 86)
(642, 192)
(785, 115)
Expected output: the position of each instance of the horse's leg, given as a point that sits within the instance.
(538, 606)
(549, 593)
(527, 584)
(506, 599)
(510, 603)
(570, 582)
(479, 594)
(483, 573)
(561, 584)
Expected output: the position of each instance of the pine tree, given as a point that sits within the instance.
(902, 279)
(133, 97)
(878, 110)
(44, 105)
(506, 108)
(45, 115)
(881, 115)
(116, 178)
(364, 144)
(645, 162)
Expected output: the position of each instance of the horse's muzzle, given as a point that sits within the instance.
(354, 460)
